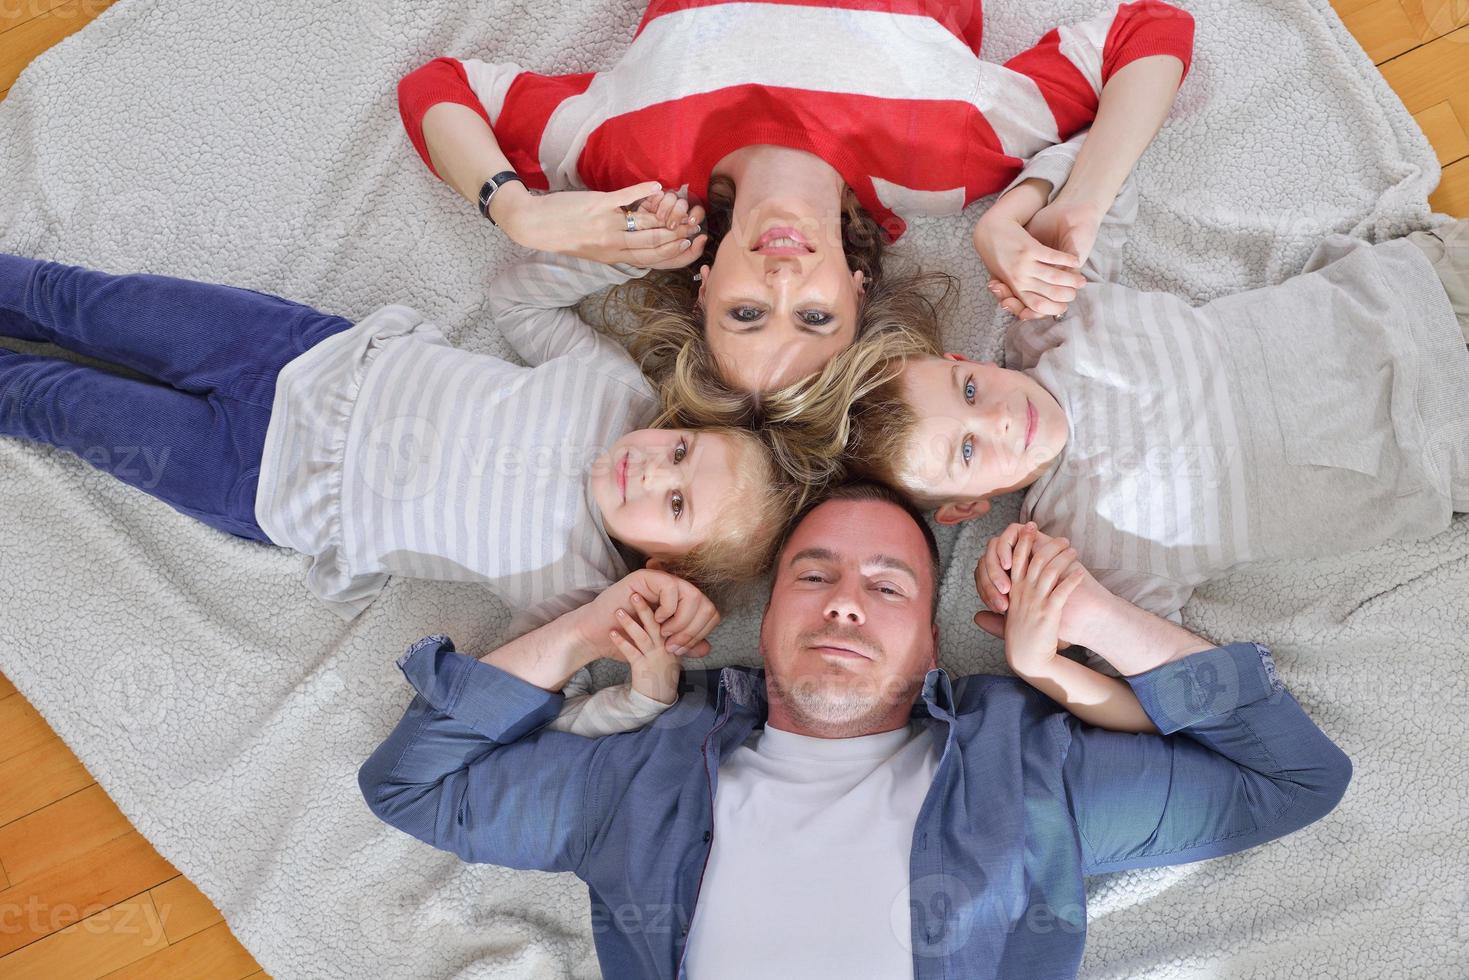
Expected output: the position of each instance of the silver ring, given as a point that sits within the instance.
(632, 224)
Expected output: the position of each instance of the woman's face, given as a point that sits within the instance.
(779, 301)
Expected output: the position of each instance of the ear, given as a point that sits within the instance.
(703, 282)
(656, 564)
(860, 281)
(955, 357)
(958, 513)
(934, 661)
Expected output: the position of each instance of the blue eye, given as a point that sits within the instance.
(746, 314)
(969, 391)
(968, 450)
(816, 318)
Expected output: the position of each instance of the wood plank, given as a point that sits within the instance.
(16, 12)
(21, 728)
(6, 688)
(1344, 7)
(1384, 30)
(99, 944)
(1430, 74)
(1442, 127)
(214, 954)
(1435, 18)
(47, 773)
(1452, 196)
(22, 43)
(67, 828)
(4, 879)
(183, 908)
(77, 889)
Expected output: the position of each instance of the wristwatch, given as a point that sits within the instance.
(487, 192)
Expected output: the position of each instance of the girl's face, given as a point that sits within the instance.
(779, 301)
(662, 491)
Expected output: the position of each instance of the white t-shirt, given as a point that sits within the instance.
(808, 871)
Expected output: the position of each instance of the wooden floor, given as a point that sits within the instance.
(83, 895)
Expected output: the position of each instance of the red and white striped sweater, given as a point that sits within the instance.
(893, 97)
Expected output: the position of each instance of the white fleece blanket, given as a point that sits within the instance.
(257, 143)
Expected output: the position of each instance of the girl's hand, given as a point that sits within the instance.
(655, 669)
(672, 211)
(593, 225)
(688, 615)
(1044, 571)
(1043, 277)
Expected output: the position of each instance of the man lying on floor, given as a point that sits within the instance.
(851, 810)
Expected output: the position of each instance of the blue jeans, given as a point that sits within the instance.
(192, 434)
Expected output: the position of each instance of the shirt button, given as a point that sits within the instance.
(708, 837)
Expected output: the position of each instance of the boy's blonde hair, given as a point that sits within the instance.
(882, 432)
(805, 422)
(741, 545)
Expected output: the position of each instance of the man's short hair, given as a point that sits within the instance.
(868, 490)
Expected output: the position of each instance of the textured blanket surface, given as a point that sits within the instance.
(257, 144)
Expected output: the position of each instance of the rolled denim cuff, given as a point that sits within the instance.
(495, 704)
(1205, 685)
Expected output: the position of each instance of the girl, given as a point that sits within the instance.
(811, 130)
(376, 449)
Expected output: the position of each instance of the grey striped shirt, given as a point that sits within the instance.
(390, 452)
(1322, 415)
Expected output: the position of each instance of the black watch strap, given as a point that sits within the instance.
(491, 186)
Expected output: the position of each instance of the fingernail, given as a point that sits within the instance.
(677, 650)
(621, 614)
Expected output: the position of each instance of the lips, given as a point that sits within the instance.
(783, 241)
(1032, 420)
(622, 476)
(839, 652)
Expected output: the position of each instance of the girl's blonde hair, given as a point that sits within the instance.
(805, 422)
(741, 545)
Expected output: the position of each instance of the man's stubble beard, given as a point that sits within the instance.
(844, 710)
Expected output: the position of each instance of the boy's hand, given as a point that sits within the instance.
(687, 615)
(655, 669)
(992, 572)
(1043, 277)
(1044, 573)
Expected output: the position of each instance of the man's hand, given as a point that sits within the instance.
(1044, 277)
(683, 614)
(593, 225)
(1043, 576)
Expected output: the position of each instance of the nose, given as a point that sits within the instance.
(844, 605)
(656, 474)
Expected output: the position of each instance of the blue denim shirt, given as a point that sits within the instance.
(1026, 799)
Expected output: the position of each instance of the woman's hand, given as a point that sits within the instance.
(672, 211)
(655, 668)
(1044, 571)
(593, 225)
(1043, 277)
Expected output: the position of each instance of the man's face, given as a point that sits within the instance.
(848, 634)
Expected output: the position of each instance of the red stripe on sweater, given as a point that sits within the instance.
(1144, 28)
(923, 145)
(529, 103)
(962, 18)
(1066, 90)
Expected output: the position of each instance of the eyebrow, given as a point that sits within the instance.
(879, 560)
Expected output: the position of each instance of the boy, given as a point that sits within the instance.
(1325, 414)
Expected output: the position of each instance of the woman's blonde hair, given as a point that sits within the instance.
(805, 422)
(741, 545)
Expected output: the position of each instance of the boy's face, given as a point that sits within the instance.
(982, 430)
(661, 491)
